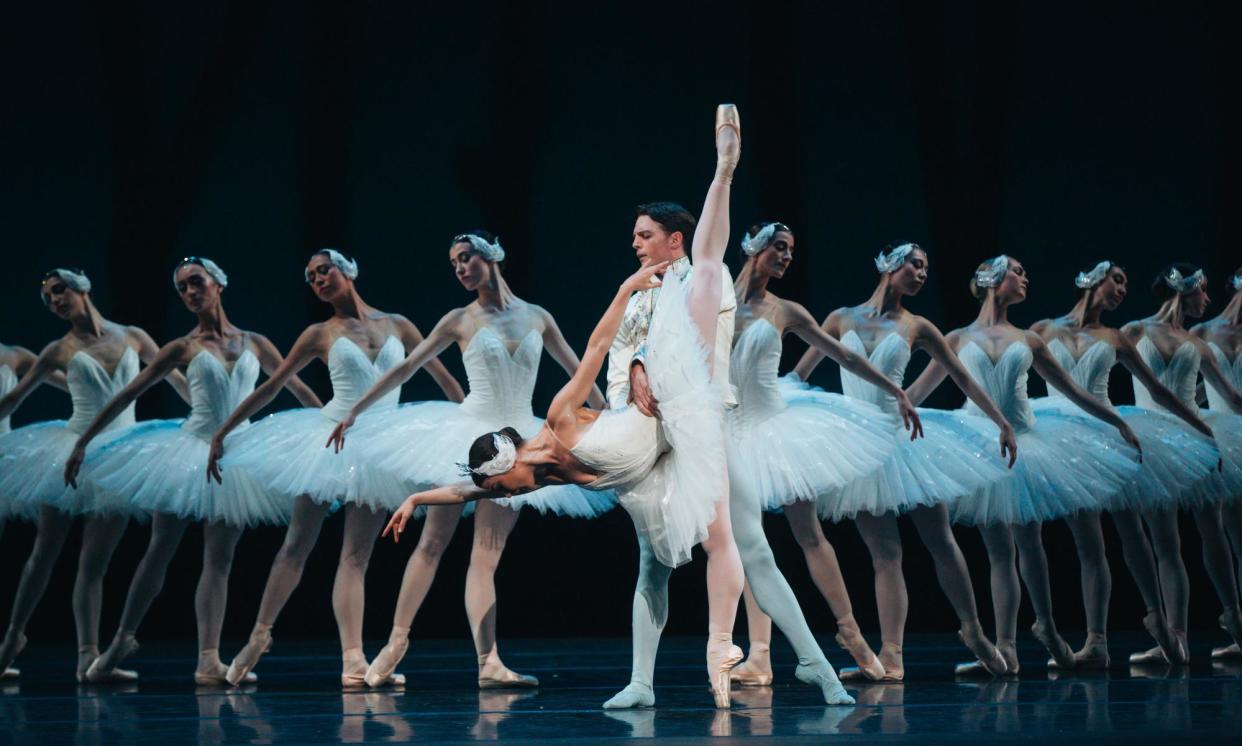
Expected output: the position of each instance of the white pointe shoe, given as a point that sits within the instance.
(102, 668)
(248, 657)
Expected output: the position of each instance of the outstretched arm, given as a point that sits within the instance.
(554, 342)
(24, 360)
(1214, 375)
(1051, 371)
(270, 360)
(812, 357)
(148, 351)
(455, 494)
(1133, 362)
(411, 337)
(42, 369)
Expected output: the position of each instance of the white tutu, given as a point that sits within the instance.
(160, 466)
(286, 454)
(1227, 484)
(671, 473)
(419, 444)
(32, 471)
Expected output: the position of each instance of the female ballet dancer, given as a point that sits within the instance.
(919, 477)
(158, 467)
(97, 357)
(621, 448)
(284, 453)
(1177, 356)
(1065, 467)
(782, 452)
(1223, 336)
(502, 338)
(1177, 455)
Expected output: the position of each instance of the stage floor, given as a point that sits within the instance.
(299, 700)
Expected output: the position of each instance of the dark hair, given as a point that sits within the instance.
(483, 449)
(981, 294)
(1161, 289)
(672, 217)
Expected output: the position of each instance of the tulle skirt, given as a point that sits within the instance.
(158, 466)
(1226, 485)
(1064, 466)
(285, 454)
(420, 444)
(815, 444)
(32, 471)
(1177, 460)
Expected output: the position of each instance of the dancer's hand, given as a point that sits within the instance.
(337, 439)
(640, 391)
(909, 416)
(645, 278)
(73, 465)
(213, 460)
(1128, 436)
(400, 517)
(1009, 444)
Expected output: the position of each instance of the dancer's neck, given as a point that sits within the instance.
(495, 295)
(885, 298)
(1085, 313)
(352, 307)
(993, 312)
(89, 323)
(213, 322)
(1232, 313)
(1171, 313)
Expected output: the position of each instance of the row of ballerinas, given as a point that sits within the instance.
(696, 437)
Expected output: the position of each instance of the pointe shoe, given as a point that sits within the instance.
(985, 652)
(493, 674)
(822, 675)
(722, 656)
(216, 676)
(728, 148)
(756, 670)
(852, 642)
(892, 668)
(1227, 653)
(121, 648)
(1008, 650)
(1231, 621)
(380, 672)
(1092, 657)
(12, 646)
(248, 657)
(87, 658)
(9, 674)
(1061, 652)
(1168, 649)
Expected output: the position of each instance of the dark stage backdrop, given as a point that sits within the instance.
(255, 132)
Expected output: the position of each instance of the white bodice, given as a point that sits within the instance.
(216, 391)
(1005, 381)
(1232, 370)
(353, 373)
(1179, 373)
(91, 388)
(753, 368)
(621, 446)
(8, 379)
(501, 384)
(891, 356)
(1090, 370)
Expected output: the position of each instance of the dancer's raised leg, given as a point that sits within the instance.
(492, 525)
(52, 529)
(100, 536)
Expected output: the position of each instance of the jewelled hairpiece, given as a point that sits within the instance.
(993, 274)
(503, 461)
(348, 267)
(1088, 280)
(1184, 285)
(208, 266)
(492, 252)
(76, 280)
(752, 245)
(1236, 281)
(890, 262)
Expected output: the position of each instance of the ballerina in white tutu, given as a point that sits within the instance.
(284, 454)
(1065, 467)
(782, 452)
(501, 338)
(159, 467)
(97, 358)
(1177, 357)
(1223, 336)
(919, 479)
(1179, 453)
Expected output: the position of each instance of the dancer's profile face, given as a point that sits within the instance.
(912, 275)
(517, 481)
(61, 299)
(1194, 304)
(326, 279)
(776, 258)
(469, 265)
(652, 244)
(197, 288)
(1013, 288)
(1112, 289)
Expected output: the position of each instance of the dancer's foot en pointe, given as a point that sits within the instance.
(382, 668)
(12, 646)
(355, 672)
(1228, 653)
(1008, 650)
(891, 669)
(495, 675)
(728, 142)
(9, 674)
(1170, 644)
(985, 652)
(248, 657)
(123, 646)
(211, 671)
(869, 668)
(1092, 657)
(756, 670)
(1046, 632)
(722, 656)
(1231, 621)
(87, 655)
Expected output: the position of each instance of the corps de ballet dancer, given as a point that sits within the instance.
(1223, 336)
(1064, 468)
(670, 474)
(97, 358)
(785, 451)
(159, 467)
(1178, 453)
(1177, 357)
(502, 339)
(919, 478)
(285, 453)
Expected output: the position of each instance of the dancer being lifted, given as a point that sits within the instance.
(284, 453)
(502, 338)
(159, 467)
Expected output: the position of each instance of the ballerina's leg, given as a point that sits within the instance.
(362, 526)
(492, 525)
(756, 670)
(211, 596)
(883, 541)
(1219, 564)
(1003, 575)
(1033, 564)
(100, 537)
(1096, 575)
(1174, 582)
(52, 529)
(821, 558)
